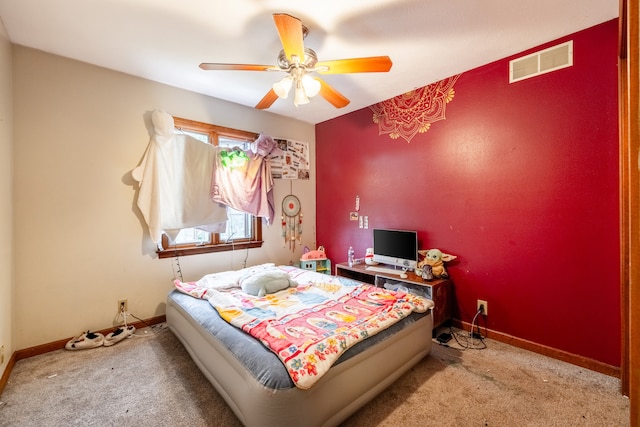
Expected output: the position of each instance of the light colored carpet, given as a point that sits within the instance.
(150, 380)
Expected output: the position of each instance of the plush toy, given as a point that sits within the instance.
(368, 257)
(318, 254)
(266, 282)
(436, 259)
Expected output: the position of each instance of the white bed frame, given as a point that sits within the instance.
(344, 389)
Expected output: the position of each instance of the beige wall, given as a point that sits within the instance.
(81, 246)
(6, 226)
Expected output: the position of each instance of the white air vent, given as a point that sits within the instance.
(544, 61)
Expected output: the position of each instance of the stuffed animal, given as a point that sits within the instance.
(436, 259)
(368, 257)
(318, 254)
(266, 282)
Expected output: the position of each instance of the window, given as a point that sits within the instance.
(243, 230)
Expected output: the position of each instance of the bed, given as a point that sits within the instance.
(255, 381)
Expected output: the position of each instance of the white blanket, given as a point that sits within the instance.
(230, 279)
(175, 182)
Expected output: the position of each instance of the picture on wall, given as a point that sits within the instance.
(293, 163)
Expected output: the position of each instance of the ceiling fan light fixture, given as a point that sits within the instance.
(283, 87)
(311, 86)
(300, 98)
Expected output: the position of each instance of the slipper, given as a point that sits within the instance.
(118, 335)
(86, 340)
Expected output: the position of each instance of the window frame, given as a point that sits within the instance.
(167, 250)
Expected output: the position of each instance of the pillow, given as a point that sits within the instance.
(266, 282)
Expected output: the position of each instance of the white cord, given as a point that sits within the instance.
(473, 323)
(244, 263)
(177, 262)
(124, 316)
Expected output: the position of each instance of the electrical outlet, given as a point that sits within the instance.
(485, 307)
(123, 306)
(1, 355)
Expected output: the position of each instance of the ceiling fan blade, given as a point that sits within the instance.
(268, 99)
(370, 64)
(291, 35)
(334, 97)
(246, 67)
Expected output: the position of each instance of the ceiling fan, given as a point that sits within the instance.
(299, 62)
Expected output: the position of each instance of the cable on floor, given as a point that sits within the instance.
(468, 340)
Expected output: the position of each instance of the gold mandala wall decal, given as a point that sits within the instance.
(413, 112)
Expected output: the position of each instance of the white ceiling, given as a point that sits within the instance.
(166, 40)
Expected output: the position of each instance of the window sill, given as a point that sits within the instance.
(205, 249)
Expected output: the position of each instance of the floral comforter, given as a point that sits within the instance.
(309, 326)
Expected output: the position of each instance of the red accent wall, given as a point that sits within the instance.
(520, 182)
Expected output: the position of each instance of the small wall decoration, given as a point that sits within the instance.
(293, 163)
(413, 112)
(291, 221)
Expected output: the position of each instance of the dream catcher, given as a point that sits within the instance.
(291, 221)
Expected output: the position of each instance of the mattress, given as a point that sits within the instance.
(255, 383)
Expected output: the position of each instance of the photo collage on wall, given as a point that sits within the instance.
(293, 163)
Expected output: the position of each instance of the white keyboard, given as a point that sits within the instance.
(385, 270)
